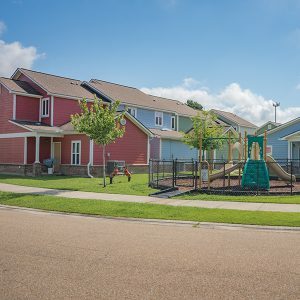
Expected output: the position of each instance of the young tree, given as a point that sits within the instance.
(193, 104)
(206, 126)
(99, 122)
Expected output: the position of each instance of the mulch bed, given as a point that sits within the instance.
(221, 186)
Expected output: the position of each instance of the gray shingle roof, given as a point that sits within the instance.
(59, 85)
(234, 118)
(135, 97)
(18, 86)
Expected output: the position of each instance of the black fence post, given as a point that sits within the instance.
(224, 175)
(149, 173)
(196, 174)
(173, 173)
(291, 178)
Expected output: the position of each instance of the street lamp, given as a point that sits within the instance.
(276, 104)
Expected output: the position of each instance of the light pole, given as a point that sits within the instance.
(276, 104)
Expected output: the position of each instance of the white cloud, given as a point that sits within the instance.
(232, 98)
(14, 55)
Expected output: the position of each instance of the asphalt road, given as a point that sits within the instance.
(50, 256)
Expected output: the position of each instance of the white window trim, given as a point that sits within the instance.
(73, 142)
(173, 118)
(132, 109)
(159, 113)
(271, 149)
(42, 103)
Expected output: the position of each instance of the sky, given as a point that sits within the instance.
(238, 56)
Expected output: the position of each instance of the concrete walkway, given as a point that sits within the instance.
(146, 199)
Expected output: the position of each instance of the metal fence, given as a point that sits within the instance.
(254, 177)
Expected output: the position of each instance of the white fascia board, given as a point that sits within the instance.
(22, 126)
(16, 135)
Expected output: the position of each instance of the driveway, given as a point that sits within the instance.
(56, 256)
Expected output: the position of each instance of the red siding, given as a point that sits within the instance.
(30, 150)
(27, 108)
(66, 148)
(132, 147)
(63, 109)
(45, 149)
(6, 113)
(12, 151)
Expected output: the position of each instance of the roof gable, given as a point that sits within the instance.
(234, 118)
(135, 97)
(18, 86)
(56, 85)
(285, 125)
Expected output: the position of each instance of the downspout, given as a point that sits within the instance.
(91, 159)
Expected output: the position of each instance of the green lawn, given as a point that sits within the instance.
(137, 186)
(150, 211)
(262, 199)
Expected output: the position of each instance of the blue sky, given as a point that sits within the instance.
(233, 55)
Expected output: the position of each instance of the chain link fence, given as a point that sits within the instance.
(251, 177)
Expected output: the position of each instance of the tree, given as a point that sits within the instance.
(100, 123)
(211, 132)
(193, 104)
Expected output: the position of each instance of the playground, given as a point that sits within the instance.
(247, 170)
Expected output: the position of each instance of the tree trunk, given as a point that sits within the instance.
(104, 166)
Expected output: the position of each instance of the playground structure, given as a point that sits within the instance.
(248, 169)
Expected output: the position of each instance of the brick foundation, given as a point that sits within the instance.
(15, 169)
(38, 169)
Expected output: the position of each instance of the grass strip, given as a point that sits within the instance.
(256, 199)
(149, 211)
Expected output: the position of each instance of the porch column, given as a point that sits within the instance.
(37, 149)
(25, 150)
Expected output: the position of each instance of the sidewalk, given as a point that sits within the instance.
(146, 199)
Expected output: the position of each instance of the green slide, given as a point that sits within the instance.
(256, 175)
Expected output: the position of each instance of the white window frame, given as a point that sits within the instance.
(271, 150)
(173, 120)
(159, 114)
(269, 126)
(75, 153)
(45, 114)
(132, 111)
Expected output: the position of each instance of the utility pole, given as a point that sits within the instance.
(276, 104)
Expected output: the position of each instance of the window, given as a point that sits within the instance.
(269, 126)
(173, 123)
(269, 149)
(75, 152)
(158, 118)
(132, 111)
(45, 107)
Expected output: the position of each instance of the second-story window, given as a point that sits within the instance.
(45, 107)
(132, 111)
(173, 123)
(158, 118)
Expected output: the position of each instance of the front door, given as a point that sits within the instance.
(57, 156)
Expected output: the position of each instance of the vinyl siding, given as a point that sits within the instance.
(185, 123)
(132, 147)
(27, 108)
(12, 151)
(6, 113)
(171, 149)
(279, 147)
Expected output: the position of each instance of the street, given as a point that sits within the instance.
(56, 256)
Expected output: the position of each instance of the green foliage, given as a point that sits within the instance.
(100, 122)
(212, 133)
(193, 104)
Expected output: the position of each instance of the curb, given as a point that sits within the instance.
(208, 225)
